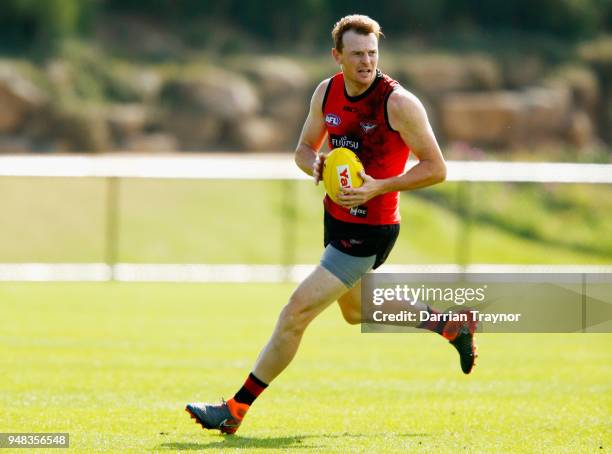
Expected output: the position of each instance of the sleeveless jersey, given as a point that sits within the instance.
(361, 124)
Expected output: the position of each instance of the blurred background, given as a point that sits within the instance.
(521, 80)
(172, 89)
(530, 77)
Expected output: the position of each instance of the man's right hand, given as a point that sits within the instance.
(317, 167)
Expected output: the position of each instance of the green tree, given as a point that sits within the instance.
(41, 23)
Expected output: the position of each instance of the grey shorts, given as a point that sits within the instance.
(348, 268)
(351, 250)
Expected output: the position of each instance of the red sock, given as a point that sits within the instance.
(251, 389)
(433, 325)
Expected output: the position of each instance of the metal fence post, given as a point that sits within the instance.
(112, 224)
(464, 210)
(583, 303)
(288, 225)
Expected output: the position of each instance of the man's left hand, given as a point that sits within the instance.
(352, 197)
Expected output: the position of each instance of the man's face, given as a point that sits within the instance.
(359, 57)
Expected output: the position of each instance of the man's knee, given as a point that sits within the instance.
(296, 315)
(351, 316)
(350, 306)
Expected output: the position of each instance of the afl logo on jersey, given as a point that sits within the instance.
(332, 119)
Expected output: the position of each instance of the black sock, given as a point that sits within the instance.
(251, 389)
(431, 325)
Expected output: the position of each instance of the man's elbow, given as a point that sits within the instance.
(303, 158)
(298, 156)
(439, 173)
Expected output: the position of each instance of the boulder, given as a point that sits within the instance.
(146, 82)
(81, 128)
(581, 81)
(216, 93)
(482, 118)
(154, 142)
(580, 131)
(484, 72)
(18, 97)
(201, 111)
(193, 131)
(289, 109)
(598, 56)
(61, 75)
(129, 84)
(522, 70)
(283, 85)
(546, 112)
(438, 74)
(276, 77)
(289, 113)
(15, 144)
(506, 118)
(127, 120)
(257, 134)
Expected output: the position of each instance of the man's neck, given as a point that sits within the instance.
(353, 89)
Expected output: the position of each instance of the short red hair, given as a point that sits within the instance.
(364, 25)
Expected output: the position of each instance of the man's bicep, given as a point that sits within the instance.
(314, 131)
(413, 125)
(421, 140)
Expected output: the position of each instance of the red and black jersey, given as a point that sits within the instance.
(361, 124)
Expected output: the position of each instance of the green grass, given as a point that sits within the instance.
(557, 214)
(172, 221)
(113, 365)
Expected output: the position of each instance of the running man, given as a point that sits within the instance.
(365, 110)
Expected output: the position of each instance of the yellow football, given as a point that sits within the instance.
(340, 171)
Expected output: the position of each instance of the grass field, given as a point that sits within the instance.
(171, 221)
(114, 364)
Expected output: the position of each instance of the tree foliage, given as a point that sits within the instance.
(26, 23)
(41, 22)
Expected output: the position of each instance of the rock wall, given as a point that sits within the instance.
(259, 104)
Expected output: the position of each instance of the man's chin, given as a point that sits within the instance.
(366, 78)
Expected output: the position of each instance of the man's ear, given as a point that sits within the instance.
(337, 55)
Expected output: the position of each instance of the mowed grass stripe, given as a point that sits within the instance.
(113, 364)
(186, 221)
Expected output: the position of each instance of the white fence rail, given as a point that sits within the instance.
(239, 273)
(255, 167)
(277, 167)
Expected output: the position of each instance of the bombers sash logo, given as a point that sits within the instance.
(367, 126)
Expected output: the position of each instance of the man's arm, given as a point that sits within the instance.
(312, 136)
(407, 116)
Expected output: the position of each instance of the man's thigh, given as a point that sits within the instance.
(350, 301)
(317, 291)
